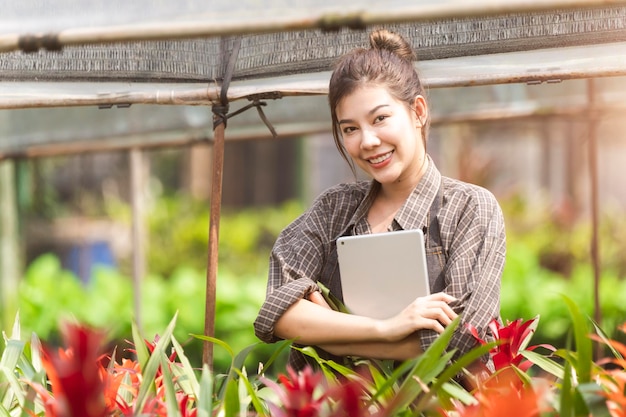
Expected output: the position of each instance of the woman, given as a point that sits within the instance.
(380, 120)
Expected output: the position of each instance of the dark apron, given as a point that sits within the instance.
(435, 255)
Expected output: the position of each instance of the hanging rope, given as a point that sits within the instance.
(220, 111)
(259, 106)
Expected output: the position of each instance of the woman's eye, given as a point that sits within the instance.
(348, 130)
(380, 118)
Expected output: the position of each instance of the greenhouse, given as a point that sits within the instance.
(144, 143)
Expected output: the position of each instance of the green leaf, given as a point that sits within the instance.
(35, 357)
(594, 400)
(241, 357)
(310, 351)
(218, 342)
(583, 342)
(8, 362)
(566, 400)
(254, 398)
(334, 302)
(17, 329)
(544, 363)
(454, 390)
(140, 347)
(606, 340)
(394, 378)
(154, 362)
(185, 374)
(281, 347)
(15, 390)
(170, 392)
(205, 393)
(231, 398)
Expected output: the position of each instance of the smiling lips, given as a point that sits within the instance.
(381, 158)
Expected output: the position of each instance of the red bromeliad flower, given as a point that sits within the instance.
(130, 371)
(349, 402)
(75, 375)
(112, 383)
(513, 339)
(613, 383)
(308, 394)
(300, 394)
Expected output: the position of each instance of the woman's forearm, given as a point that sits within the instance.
(312, 324)
(404, 349)
(316, 324)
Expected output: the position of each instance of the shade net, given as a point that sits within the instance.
(272, 54)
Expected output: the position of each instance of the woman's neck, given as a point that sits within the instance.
(399, 191)
(389, 199)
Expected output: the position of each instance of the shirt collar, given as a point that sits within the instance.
(358, 222)
(413, 213)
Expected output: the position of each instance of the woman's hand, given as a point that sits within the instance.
(430, 312)
(317, 298)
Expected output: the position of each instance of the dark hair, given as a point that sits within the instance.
(388, 63)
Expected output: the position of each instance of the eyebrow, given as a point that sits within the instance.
(369, 113)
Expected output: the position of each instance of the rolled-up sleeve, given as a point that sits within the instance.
(277, 301)
(295, 263)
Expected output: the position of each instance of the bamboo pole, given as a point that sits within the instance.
(163, 95)
(9, 252)
(593, 179)
(324, 19)
(163, 140)
(138, 231)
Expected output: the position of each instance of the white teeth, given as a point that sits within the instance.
(380, 158)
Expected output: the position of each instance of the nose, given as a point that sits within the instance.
(369, 139)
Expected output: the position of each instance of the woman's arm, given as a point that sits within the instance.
(314, 323)
(402, 350)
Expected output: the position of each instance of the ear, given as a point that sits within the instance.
(421, 110)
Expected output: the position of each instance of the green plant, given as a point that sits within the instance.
(49, 294)
(159, 379)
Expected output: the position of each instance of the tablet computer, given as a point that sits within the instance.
(382, 273)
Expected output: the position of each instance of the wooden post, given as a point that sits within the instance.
(214, 234)
(9, 252)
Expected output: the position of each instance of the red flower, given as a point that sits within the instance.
(349, 400)
(308, 394)
(300, 394)
(513, 339)
(75, 375)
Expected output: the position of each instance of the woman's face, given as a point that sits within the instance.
(382, 134)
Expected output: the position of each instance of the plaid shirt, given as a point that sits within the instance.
(472, 232)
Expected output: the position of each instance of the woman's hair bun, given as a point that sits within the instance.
(384, 39)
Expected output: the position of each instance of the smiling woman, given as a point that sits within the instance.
(380, 121)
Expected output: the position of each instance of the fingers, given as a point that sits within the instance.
(433, 311)
(317, 298)
(441, 296)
